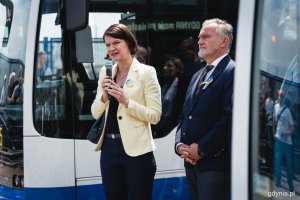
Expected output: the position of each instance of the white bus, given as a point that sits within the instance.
(52, 50)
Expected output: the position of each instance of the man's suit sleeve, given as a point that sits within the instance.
(177, 140)
(178, 135)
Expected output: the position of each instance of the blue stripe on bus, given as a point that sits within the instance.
(58, 193)
(90, 192)
(164, 189)
(7, 193)
(171, 188)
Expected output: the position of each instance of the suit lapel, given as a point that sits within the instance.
(220, 68)
(191, 90)
(131, 78)
(216, 73)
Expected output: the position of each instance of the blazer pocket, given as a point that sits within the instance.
(135, 121)
(140, 123)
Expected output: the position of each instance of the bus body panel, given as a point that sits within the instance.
(241, 108)
(28, 128)
(49, 157)
(60, 168)
(87, 160)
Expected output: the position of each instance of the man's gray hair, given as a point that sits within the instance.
(12, 75)
(223, 27)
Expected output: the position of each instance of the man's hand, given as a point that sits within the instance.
(183, 150)
(193, 152)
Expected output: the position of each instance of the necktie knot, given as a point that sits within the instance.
(202, 77)
(205, 71)
(209, 67)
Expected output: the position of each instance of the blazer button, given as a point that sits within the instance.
(190, 117)
(120, 117)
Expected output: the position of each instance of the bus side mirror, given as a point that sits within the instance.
(9, 7)
(84, 46)
(77, 12)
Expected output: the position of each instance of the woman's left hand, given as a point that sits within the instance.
(116, 91)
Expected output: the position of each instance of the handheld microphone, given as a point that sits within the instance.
(108, 67)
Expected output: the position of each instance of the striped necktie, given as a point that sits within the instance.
(202, 77)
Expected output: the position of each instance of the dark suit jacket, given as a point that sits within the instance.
(206, 118)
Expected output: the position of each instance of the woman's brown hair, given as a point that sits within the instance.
(120, 31)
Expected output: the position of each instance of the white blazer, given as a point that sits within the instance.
(143, 91)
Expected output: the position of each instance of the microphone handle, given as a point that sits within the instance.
(109, 74)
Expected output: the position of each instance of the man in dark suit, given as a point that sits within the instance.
(204, 133)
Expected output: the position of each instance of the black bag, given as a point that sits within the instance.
(96, 130)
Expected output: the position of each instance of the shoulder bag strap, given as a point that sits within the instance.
(279, 115)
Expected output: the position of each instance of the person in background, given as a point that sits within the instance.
(127, 161)
(17, 95)
(141, 54)
(10, 88)
(42, 69)
(269, 107)
(283, 129)
(188, 54)
(203, 136)
(3, 92)
(172, 72)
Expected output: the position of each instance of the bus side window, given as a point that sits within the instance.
(276, 131)
(50, 83)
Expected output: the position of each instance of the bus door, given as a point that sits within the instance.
(274, 103)
(85, 80)
(50, 85)
(167, 33)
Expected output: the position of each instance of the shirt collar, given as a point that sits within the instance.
(216, 62)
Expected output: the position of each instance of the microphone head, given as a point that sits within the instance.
(108, 67)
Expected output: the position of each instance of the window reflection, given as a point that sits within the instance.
(14, 18)
(279, 134)
(49, 80)
(169, 88)
(9, 7)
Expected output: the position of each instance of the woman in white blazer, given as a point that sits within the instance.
(127, 162)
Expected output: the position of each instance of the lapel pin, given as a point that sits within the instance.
(129, 83)
(209, 81)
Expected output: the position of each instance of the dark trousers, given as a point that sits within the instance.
(270, 146)
(125, 177)
(208, 185)
(283, 150)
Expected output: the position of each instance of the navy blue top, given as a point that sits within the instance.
(112, 125)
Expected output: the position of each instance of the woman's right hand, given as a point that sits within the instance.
(106, 82)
